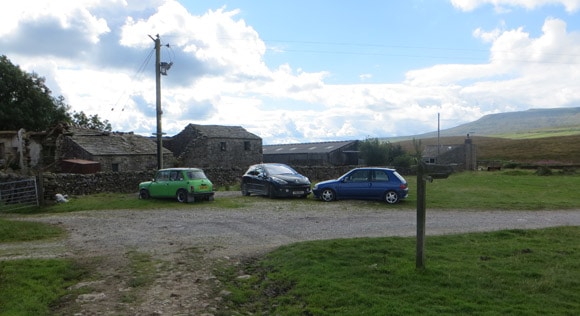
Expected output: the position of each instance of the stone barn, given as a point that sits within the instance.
(337, 153)
(113, 151)
(218, 146)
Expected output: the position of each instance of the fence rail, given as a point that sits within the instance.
(18, 194)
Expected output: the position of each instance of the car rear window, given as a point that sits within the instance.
(196, 175)
(400, 177)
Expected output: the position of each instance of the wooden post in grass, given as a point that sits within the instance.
(425, 173)
(421, 210)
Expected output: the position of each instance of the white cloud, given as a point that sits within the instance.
(219, 74)
(502, 5)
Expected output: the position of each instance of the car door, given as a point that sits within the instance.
(174, 183)
(260, 180)
(160, 186)
(379, 184)
(355, 185)
(250, 179)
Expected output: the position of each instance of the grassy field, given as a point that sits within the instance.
(510, 272)
(514, 272)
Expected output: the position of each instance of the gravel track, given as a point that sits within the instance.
(185, 244)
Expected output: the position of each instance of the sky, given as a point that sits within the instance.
(300, 71)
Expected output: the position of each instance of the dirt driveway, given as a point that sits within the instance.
(184, 245)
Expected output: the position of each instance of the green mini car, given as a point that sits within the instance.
(184, 184)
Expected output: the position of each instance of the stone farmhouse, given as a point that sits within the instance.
(337, 153)
(215, 146)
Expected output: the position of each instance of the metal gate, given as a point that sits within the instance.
(18, 194)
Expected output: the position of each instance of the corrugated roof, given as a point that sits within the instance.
(322, 147)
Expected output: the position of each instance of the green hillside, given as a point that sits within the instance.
(534, 123)
(538, 136)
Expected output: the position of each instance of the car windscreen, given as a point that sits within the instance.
(196, 175)
(279, 169)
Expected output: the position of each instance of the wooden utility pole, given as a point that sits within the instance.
(159, 133)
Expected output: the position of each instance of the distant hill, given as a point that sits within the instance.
(522, 124)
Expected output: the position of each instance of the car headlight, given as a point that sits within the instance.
(279, 181)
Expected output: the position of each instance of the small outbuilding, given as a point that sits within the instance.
(462, 156)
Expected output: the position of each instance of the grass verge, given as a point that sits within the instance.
(32, 286)
(516, 272)
(14, 231)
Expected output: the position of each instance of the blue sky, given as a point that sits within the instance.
(301, 71)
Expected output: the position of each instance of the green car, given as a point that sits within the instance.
(184, 184)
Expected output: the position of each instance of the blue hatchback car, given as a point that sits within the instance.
(372, 183)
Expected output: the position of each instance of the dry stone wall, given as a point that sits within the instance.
(128, 182)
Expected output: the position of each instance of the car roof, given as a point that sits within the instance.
(374, 168)
(180, 169)
(269, 164)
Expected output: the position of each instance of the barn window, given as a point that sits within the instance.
(223, 146)
(115, 167)
(247, 146)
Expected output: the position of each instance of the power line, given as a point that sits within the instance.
(456, 51)
(137, 76)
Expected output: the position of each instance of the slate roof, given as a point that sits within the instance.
(220, 131)
(319, 148)
(105, 143)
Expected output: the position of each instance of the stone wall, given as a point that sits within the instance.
(128, 182)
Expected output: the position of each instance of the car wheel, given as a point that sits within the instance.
(143, 194)
(181, 196)
(245, 191)
(391, 197)
(328, 195)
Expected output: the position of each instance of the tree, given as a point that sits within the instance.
(80, 119)
(379, 153)
(26, 102)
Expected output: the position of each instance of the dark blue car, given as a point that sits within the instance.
(372, 183)
(274, 180)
